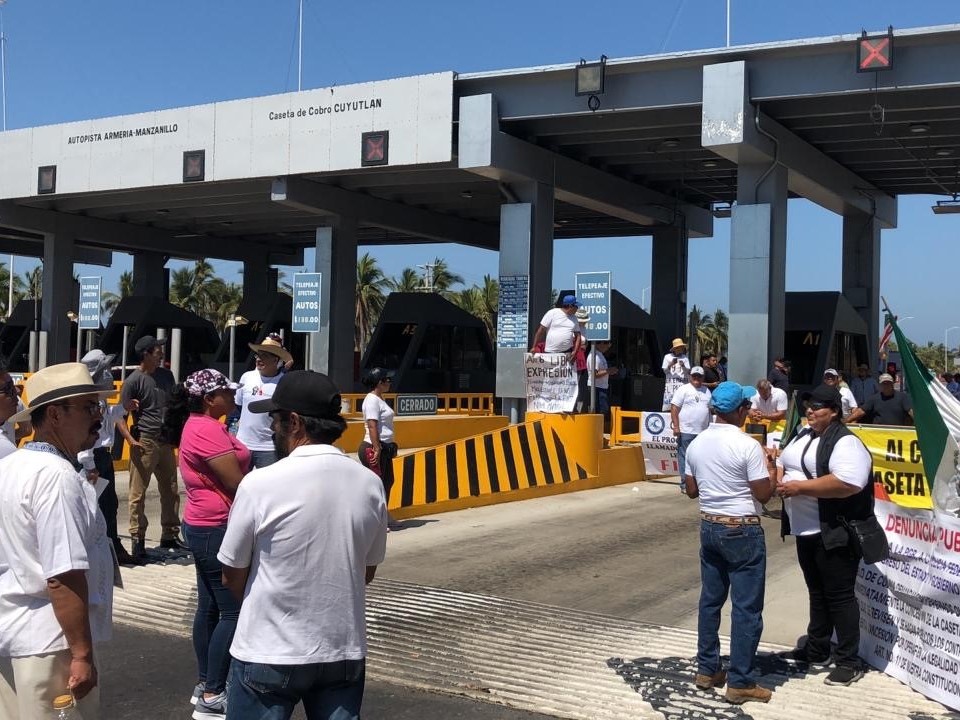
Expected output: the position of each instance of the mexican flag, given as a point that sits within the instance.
(936, 414)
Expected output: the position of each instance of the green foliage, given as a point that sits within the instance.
(370, 298)
(199, 290)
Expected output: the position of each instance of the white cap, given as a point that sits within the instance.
(696, 370)
(831, 371)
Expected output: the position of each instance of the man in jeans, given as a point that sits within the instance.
(146, 391)
(689, 415)
(305, 536)
(729, 472)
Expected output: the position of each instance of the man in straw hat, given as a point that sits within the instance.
(253, 429)
(676, 370)
(56, 568)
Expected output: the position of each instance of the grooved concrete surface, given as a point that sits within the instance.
(574, 606)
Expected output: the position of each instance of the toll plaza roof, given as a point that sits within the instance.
(414, 159)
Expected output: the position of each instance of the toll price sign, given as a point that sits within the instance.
(306, 302)
(593, 293)
(512, 311)
(89, 303)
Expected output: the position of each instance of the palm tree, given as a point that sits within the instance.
(18, 290)
(190, 288)
(408, 281)
(109, 300)
(722, 324)
(481, 302)
(223, 299)
(33, 283)
(370, 298)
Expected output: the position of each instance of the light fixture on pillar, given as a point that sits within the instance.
(194, 162)
(590, 79)
(46, 180)
(722, 210)
(875, 52)
(374, 148)
(232, 323)
(72, 316)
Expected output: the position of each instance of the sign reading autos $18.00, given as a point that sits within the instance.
(306, 302)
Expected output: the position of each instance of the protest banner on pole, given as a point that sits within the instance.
(551, 382)
(910, 603)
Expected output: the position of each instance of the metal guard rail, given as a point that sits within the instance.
(447, 403)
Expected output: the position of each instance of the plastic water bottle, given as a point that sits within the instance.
(64, 706)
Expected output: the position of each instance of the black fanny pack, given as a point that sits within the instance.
(867, 539)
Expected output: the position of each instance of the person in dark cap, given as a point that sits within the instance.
(728, 471)
(98, 460)
(146, 392)
(823, 475)
(301, 631)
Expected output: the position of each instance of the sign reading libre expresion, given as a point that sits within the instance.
(593, 292)
(306, 303)
(89, 304)
(416, 405)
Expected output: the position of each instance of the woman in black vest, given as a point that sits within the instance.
(824, 477)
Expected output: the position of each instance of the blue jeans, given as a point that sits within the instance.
(328, 691)
(217, 609)
(683, 442)
(262, 458)
(734, 560)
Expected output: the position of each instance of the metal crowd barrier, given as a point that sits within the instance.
(447, 403)
(619, 436)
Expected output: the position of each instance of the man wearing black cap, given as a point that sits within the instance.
(304, 537)
(146, 391)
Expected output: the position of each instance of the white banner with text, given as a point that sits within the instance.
(551, 382)
(910, 603)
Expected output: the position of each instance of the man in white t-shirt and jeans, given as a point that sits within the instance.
(729, 471)
(689, 415)
(305, 536)
(770, 403)
(559, 330)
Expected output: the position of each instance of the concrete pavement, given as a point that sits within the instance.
(580, 605)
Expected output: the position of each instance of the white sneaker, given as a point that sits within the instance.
(213, 709)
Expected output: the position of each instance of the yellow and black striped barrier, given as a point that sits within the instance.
(545, 455)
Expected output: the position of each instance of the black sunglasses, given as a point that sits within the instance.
(816, 405)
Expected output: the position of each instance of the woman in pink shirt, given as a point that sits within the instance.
(212, 464)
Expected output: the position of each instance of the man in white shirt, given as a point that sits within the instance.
(770, 403)
(56, 568)
(831, 378)
(689, 415)
(559, 330)
(728, 470)
(304, 537)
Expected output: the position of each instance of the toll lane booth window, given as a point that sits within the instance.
(434, 351)
(469, 350)
(392, 344)
(802, 347)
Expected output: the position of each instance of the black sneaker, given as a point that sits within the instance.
(802, 656)
(843, 675)
(174, 544)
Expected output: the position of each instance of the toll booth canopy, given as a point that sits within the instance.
(823, 330)
(431, 345)
(199, 337)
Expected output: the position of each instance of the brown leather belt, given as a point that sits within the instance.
(731, 519)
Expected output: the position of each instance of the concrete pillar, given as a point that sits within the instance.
(150, 277)
(758, 267)
(861, 274)
(526, 251)
(336, 260)
(668, 291)
(58, 296)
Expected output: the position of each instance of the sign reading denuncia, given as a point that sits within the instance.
(294, 133)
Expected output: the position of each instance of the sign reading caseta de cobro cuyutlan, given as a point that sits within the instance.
(294, 133)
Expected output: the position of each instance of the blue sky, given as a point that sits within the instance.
(76, 60)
